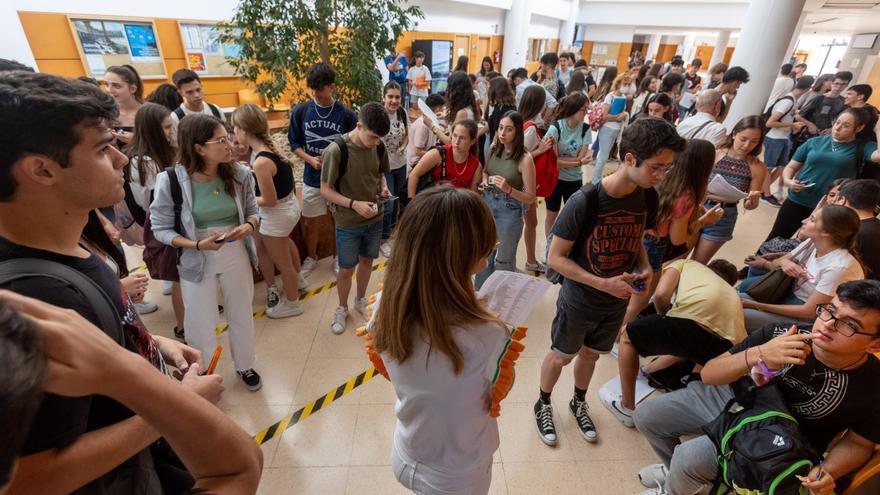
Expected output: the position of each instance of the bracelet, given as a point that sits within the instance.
(746, 352)
(197, 245)
(351, 204)
(253, 229)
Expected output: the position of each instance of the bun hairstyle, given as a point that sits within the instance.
(130, 75)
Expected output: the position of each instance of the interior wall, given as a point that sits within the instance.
(854, 60)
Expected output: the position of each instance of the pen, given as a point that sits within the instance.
(214, 360)
(821, 470)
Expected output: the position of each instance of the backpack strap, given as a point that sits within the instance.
(698, 129)
(215, 110)
(343, 160)
(177, 198)
(180, 113)
(443, 157)
(23, 268)
(860, 159)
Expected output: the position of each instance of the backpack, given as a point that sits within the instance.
(761, 449)
(343, 158)
(767, 113)
(546, 169)
(427, 180)
(161, 259)
(596, 117)
(23, 268)
(214, 111)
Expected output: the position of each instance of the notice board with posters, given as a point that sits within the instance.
(104, 42)
(205, 54)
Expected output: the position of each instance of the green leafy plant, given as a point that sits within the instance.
(281, 39)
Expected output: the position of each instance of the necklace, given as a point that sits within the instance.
(324, 117)
(458, 172)
(831, 371)
(835, 145)
(216, 191)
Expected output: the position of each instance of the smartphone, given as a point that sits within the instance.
(385, 199)
(220, 240)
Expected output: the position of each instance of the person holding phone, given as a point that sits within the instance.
(219, 207)
(817, 163)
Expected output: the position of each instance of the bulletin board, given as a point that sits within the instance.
(103, 42)
(205, 54)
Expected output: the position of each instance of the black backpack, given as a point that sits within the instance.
(767, 113)
(214, 111)
(427, 180)
(761, 449)
(343, 158)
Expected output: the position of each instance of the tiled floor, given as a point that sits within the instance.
(345, 448)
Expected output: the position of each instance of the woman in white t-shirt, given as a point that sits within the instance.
(440, 346)
(613, 114)
(395, 145)
(819, 264)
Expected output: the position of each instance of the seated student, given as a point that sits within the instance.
(190, 88)
(697, 318)
(863, 196)
(43, 348)
(420, 139)
(829, 384)
(440, 345)
(826, 259)
(457, 165)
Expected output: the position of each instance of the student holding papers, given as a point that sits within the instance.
(738, 174)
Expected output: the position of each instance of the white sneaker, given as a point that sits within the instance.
(336, 266)
(653, 476)
(308, 265)
(360, 305)
(303, 283)
(145, 308)
(536, 267)
(613, 403)
(615, 350)
(285, 309)
(337, 325)
(167, 287)
(658, 490)
(385, 249)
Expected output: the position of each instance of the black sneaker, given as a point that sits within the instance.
(179, 334)
(771, 200)
(251, 379)
(544, 419)
(743, 273)
(585, 423)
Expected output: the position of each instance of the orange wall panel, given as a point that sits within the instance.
(169, 35)
(587, 50)
(728, 54)
(623, 56)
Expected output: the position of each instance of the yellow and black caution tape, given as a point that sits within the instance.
(313, 407)
(302, 297)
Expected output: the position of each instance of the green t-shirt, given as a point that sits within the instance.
(822, 166)
(212, 206)
(362, 180)
(568, 145)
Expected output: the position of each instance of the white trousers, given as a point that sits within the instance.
(229, 267)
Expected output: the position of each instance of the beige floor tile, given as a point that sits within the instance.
(289, 337)
(530, 478)
(280, 376)
(322, 375)
(311, 480)
(499, 484)
(373, 435)
(520, 441)
(619, 477)
(323, 439)
(373, 480)
(378, 391)
(254, 419)
(347, 345)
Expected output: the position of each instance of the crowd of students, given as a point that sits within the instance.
(210, 197)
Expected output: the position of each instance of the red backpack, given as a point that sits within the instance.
(546, 171)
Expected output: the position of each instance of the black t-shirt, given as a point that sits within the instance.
(869, 239)
(589, 81)
(826, 402)
(822, 111)
(612, 246)
(283, 178)
(494, 121)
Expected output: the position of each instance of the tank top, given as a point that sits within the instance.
(283, 178)
(507, 168)
(458, 175)
(734, 171)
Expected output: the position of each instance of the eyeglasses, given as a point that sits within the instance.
(660, 169)
(825, 312)
(224, 140)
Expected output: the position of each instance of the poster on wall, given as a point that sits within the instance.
(205, 53)
(105, 43)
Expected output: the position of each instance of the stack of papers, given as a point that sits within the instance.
(722, 189)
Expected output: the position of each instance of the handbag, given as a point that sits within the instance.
(161, 259)
(775, 285)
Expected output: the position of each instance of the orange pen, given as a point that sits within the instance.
(214, 360)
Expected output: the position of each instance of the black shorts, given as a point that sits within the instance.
(577, 326)
(657, 335)
(564, 190)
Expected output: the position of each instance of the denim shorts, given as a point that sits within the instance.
(354, 242)
(776, 152)
(722, 230)
(656, 248)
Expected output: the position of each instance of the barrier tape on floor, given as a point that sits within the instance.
(139, 268)
(313, 407)
(302, 297)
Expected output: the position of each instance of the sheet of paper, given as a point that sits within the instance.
(643, 389)
(512, 295)
(719, 187)
(426, 110)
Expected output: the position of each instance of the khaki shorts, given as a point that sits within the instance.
(313, 204)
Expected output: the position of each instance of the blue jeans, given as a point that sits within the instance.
(776, 152)
(606, 138)
(396, 180)
(508, 214)
(357, 242)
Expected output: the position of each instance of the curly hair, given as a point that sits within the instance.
(460, 95)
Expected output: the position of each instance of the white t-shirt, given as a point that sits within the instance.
(418, 74)
(443, 419)
(142, 193)
(824, 273)
(702, 125)
(564, 77)
(786, 108)
(609, 99)
(394, 140)
(206, 109)
(781, 87)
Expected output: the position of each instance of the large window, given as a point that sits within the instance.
(537, 49)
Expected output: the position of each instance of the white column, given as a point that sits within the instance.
(13, 42)
(516, 38)
(794, 38)
(767, 30)
(720, 47)
(567, 27)
(686, 48)
(653, 47)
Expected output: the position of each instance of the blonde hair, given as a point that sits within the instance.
(252, 120)
(618, 82)
(428, 285)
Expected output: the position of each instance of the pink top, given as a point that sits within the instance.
(683, 208)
